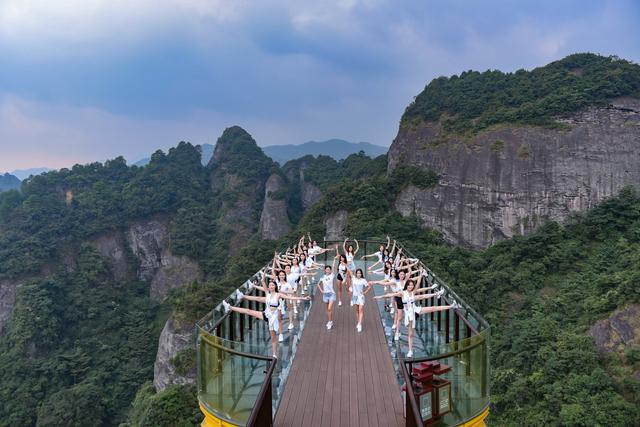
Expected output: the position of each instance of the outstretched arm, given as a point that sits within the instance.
(294, 298)
(389, 295)
(344, 246)
(357, 247)
(388, 242)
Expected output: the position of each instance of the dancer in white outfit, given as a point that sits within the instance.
(409, 297)
(270, 314)
(325, 284)
(360, 287)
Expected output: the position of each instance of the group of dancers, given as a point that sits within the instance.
(285, 283)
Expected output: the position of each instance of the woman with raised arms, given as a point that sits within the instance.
(409, 297)
(379, 254)
(270, 315)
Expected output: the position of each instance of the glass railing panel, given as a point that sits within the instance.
(229, 384)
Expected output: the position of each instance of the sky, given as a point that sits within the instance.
(87, 80)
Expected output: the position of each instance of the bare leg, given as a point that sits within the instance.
(410, 335)
(274, 342)
(330, 311)
(253, 313)
(339, 290)
(399, 313)
(360, 313)
(434, 309)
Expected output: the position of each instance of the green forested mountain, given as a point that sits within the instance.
(9, 182)
(80, 343)
(474, 101)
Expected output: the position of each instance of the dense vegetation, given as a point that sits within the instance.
(9, 182)
(474, 101)
(81, 342)
(540, 293)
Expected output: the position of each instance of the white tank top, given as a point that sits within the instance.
(272, 301)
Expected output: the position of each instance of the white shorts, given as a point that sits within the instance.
(357, 299)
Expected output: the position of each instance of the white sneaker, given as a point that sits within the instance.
(410, 353)
(290, 326)
(227, 306)
(351, 303)
(339, 303)
(359, 327)
(396, 337)
(280, 338)
(275, 356)
(393, 326)
(456, 305)
(331, 324)
(393, 310)
(239, 295)
(439, 293)
(295, 309)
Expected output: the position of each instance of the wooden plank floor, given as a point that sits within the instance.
(341, 377)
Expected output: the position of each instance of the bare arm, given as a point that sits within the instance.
(389, 295)
(294, 298)
(357, 248)
(388, 242)
(344, 246)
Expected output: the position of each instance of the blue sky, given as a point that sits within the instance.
(84, 80)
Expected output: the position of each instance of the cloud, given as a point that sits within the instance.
(96, 78)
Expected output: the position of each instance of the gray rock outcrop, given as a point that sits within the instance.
(8, 291)
(149, 241)
(336, 224)
(111, 246)
(274, 222)
(173, 339)
(507, 181)
(620, 329)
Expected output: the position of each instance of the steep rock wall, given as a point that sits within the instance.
(509, 180)
(274, 222)
(111, 246)
(8, 291)
(173, 339)
(336, 224)
(149, 241)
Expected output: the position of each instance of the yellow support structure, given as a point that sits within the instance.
(477, 421)
(211, 420)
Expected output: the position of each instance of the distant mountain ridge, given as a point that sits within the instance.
(338, 149)
(23, 174)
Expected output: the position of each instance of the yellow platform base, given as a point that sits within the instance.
(212, 421)
(477, 421)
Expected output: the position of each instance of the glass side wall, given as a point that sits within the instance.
(457, 339)
(234, 352)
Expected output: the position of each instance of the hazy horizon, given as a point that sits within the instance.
(85, 80)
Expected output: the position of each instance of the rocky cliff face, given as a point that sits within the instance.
(8, 291)
(149, 241)
(173, 339)
(238, 174)
(509, 180)
(111, 246)
(620, 330)
(336, 224)
(274, 222)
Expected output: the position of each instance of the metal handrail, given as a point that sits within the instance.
(411, 405)
(208, 333)
(265, 391)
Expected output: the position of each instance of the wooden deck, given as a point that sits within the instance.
(341, 377)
